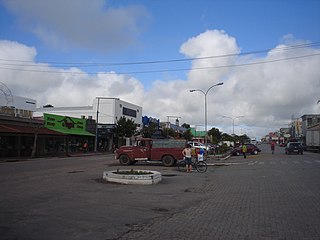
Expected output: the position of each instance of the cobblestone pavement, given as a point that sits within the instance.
(263, 197)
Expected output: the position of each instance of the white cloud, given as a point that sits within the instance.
(266, 94)
(102, 28)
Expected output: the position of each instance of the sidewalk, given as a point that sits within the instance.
(62, 155)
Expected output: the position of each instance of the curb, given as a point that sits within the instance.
(153, 178)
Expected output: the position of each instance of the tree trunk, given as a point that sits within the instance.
(34, 148)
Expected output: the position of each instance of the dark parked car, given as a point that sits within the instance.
(303, 145)
(294, 147)
(251, 148)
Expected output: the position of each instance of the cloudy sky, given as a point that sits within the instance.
(151, 53)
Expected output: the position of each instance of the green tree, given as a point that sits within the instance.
(187, 135)
(150, 130)
(215, 135)
(227, 137)
(185, 125)
(169, 132)
(124, 128)
(242, 138)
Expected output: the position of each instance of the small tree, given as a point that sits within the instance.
(187, 135)
(227, 137)
(150, 130)
(185, 125)
(169, 132)
(124, 128)
(215, 135)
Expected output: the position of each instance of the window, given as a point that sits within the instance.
(129, 112)
(309, 122)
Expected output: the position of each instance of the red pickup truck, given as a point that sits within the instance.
(146, 149)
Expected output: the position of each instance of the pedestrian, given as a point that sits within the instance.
(187, 157)
(85, 147)
(244, 150)
(273, 144)
(201, 154)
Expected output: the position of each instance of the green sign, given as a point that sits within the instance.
(65, 124)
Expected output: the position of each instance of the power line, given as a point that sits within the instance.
(96, 64)
(164, 70)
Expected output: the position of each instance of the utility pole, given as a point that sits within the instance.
(97, 120)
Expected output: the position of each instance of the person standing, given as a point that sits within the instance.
(187, 157)
(273, 145)
(244, 150)
(201, 154)
(85, 146)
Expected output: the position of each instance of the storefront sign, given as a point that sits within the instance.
(66, 124)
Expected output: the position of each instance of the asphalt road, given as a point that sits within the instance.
(261, 197)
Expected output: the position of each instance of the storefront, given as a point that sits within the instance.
(17, 139)
(78, 139)
(53, 136)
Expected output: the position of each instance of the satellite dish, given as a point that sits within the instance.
(7, 94)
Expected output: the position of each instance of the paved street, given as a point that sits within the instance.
(261, 197)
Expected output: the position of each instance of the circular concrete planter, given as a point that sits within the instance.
(152, 178)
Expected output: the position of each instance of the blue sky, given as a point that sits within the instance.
(257, 25)
(122, 31)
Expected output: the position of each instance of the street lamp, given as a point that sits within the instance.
(232, 118)
(205, 106)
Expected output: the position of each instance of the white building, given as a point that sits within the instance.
(104, 111)
(19, 107)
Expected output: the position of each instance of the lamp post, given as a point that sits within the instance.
(205, 107)
(232, 118)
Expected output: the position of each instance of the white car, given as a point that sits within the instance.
(198, 145)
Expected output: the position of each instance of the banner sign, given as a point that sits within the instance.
(65, 124)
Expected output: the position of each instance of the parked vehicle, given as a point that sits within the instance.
(146, 149)
(199, 145)
(251, 149)
(304, 146)
(293, 147)
(313, 138)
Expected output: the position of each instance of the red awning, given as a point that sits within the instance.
(19, 129)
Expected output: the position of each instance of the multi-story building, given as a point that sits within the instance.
(105, 112)
(296, 128)
(308, 121)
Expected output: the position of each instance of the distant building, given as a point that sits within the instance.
(309, 120)
(19, 107)
(105, 111)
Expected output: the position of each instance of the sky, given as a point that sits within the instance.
(152, 53)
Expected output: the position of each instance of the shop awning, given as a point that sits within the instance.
(20, 129)
(71, 132)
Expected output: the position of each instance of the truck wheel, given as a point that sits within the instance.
(124, 160)
(168, 161)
